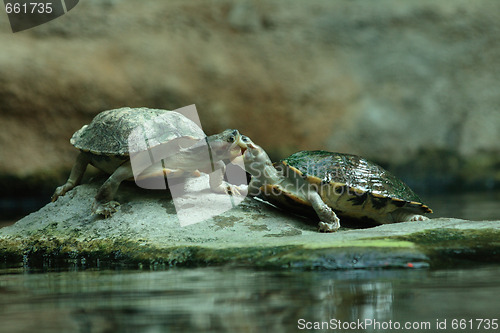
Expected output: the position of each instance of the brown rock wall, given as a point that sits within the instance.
(393, 81)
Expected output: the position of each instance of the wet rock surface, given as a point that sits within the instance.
(146, 232)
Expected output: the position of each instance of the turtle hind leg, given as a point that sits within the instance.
(416, 217)
(407, 215)
(329, 222)
(75, 177)
(103, 203)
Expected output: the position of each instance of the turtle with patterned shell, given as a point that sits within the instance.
(105, 144)
(331, 185)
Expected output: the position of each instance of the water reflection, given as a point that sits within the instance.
(236, 300)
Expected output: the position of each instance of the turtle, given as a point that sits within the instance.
(106, 144)
(331, 185)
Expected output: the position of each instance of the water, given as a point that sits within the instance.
(238, 300)
(476, 206)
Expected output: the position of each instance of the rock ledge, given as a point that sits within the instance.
(146, 233)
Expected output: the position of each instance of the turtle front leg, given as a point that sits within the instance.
(75, 177)
(103, 203)
(329, 222)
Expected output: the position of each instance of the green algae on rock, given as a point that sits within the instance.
(252, 234)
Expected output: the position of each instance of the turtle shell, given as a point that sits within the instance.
(110, 131)
(351, 185)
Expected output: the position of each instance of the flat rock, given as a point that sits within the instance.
(147, 232)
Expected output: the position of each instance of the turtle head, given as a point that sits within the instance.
(254, 157)
(225, 145)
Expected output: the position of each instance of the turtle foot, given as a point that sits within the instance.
(60, 191)
(226, 188)
(57, 193)
(402, 215)
(414, 218)
(233, 189)
(329, 227)
(105, 208)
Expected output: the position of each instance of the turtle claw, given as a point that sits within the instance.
(329, 227)
(230, 189)
(105, 208)
(236, 190)
(233, 190)
(59, 192)
(415, 218)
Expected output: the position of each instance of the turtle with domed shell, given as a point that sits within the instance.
(104, 143)
(333, 185)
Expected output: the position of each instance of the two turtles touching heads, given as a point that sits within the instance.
(330, 186)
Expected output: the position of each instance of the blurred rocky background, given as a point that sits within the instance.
(412, 85)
